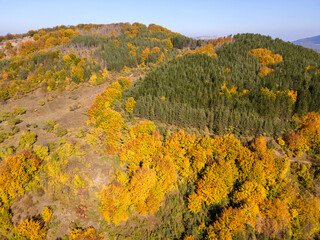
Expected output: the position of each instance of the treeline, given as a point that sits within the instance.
(237, 89)
(55, 58)
(49, 70)
(198, 187)
(135, 45)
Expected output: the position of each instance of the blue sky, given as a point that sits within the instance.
(286, 19)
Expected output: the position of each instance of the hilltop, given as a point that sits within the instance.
(128, 131)
(311, 42)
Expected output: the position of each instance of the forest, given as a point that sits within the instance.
(162, 137)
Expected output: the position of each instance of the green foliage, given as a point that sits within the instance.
(18, 111)
(27, 140)
(49, 126)
(194, 90)
(185, 186)
(7, 151)
(12, 121)
(60, 131)
(41, 102)
(5, 221)
(4, 115)
(29, 229)
(128, 49)
(49, 70)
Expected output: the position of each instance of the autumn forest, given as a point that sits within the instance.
(128, 131)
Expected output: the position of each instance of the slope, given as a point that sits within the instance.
(311, 42)
(253, 86)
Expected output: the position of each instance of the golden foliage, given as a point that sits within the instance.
(216, 183)
(297, 143)
(194, 203)
(141, 183)
(115, 202)
(166, 173)
(280, 141)
(85, 234)
(275, 218)
(46, 214)
(266, 56)
(310, 129)
(188, 237)
(142, 144)
(145, 54)
(177, 147)
(208, 49)
(249, 192)
(291, 94)
(27, 47)
(227, 70)
(305, 217)
(15, 175)
(308, 135)
(229, 92)
(155, 50)
(130, 104)
(231, 222)
(29, 229)
(264, 71)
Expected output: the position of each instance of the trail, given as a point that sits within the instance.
(302, 159)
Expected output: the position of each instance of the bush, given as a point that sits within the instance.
(41, 102)
(27, 140)
(18, 111)
(12, 121)
(60, 131)
(4, 115)
(49, 126)
(46, 214)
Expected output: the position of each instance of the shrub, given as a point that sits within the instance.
(12, 121)
(60, 131)
(46, 214)
(18, 111)
(27, 140)
(49, 126)
(41, 102)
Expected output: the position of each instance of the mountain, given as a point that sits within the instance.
(206, 37)
(232, 89)
(128, 131)
(311, 42)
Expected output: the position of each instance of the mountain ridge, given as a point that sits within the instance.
(309, 42)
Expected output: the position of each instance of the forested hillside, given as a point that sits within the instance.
(244, 87)
(127, 131)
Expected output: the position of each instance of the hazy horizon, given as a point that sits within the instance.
(288, 20)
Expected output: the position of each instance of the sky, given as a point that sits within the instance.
(286, 19)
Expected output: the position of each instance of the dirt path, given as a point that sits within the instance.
(59, 108)
(302, 159)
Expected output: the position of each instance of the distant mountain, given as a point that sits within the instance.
(312, 42)
(205, 37)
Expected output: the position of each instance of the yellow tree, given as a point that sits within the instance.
(85, 234)
(142, 143)
(15, 174)
(305, 217)
(275, 218)
(231, 222)
(297, 143)
(178, 147)
(130, 104)
(216, 183)
(140, 186)
(115, 202)
(310, 130)
(29, 229)
(145, 54)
